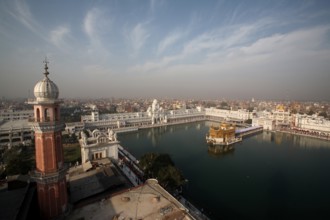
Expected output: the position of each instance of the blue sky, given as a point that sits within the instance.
(175, 49)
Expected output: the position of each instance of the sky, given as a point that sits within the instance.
(167, 49)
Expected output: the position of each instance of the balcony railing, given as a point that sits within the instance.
(50, 177)
(35, 101)
(47, 119)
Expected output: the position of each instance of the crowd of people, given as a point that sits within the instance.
(299, 131)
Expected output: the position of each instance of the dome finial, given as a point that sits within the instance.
(46, 73)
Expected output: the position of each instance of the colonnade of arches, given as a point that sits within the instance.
(46, 113)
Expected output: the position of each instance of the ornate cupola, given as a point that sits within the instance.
(50, 172)
(46, 90)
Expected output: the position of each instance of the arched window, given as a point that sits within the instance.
(38, 114)
(55, 114)
(46, 117)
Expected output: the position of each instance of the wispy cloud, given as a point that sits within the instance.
(19, 10)
(265, 65)
(154, 4)
(201, 45)
(225, 37)
(281, 46)
(59, 35)
(240, 52)
(155, 65)
(90, 24)
(138, 36)
(97, 24)
(276, 56)
(169, 40)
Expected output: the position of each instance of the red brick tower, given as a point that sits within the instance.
(50, 170)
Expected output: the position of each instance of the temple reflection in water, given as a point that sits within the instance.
(220, 149)
(297, 140)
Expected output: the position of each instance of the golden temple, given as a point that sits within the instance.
(222, 135)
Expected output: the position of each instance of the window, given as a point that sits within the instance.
(46, 114)
(55, 114)
(38, 114)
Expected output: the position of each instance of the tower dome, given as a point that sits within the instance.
(46, 89)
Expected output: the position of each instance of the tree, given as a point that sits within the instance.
(311, 112)
(69, 138)
(250, 109)
(210, 104)
(248, 121)
(224, 105)
(161, 167)
(294, 111)
(18, 160)
(324, 114)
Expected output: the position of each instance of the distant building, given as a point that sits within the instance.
(312, 123)
(12, 115)
(13, 133)
(14, 128)
(266, 123)
(154, 115)
(240, 115)
(271, 120)
(281, 117)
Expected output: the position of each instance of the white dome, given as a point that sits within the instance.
(46, 89)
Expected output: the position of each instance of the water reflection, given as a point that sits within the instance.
(280, 138)
(267, 136)
(157, 133)
(220, 151)
(271, 173)
(307, 142)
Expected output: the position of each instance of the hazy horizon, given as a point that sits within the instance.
(269, 50)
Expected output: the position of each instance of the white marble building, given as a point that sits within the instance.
(274, 119)
(265, 122)
(270, 120)
(281, 117)
(98, 145)
(156, 113)
(229, 115)
(312, 123)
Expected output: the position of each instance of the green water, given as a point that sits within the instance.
(267, 176)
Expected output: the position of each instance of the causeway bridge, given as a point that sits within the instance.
(248, 131)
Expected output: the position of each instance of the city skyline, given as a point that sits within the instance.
(186, 49)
